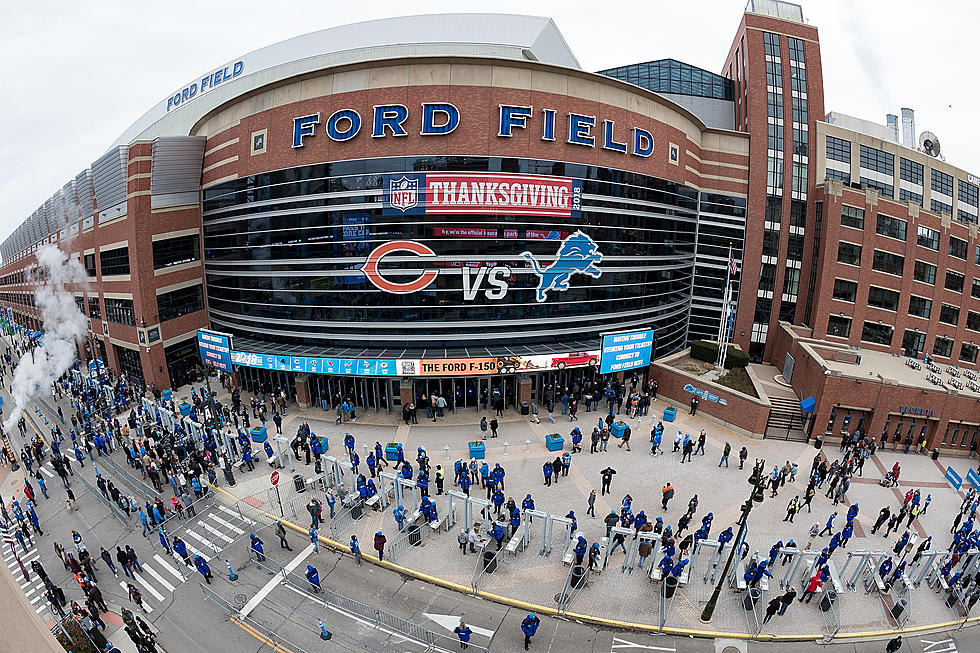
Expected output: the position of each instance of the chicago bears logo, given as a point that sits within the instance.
(578, 254)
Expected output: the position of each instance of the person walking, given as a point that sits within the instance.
(529, 626)
(667, 493)
(315, 539)
(625, 440)
(894, 645)
(591, 510)
(771, 609)
(828, 529)
(724, 455)
(607, 475)
(135, 596)
(786, 600)
(355, 548)
(379, 545)
(203, 568)
(256, 545)
(812, 586)
(792, 509)
(107, 559)
(281, 534)
(313, 577)
(742, 455)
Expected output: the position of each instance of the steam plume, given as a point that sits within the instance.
(63, 326)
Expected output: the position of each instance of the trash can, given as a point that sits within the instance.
(357, 509)
(829, 598)
(951, 600)
(299, 482)
(525, 408)
(818, 442)
(751, 598)
(899, 608)
(414, 535)
(490, 561)
(578, 576)
(670, 586)
(935, 453)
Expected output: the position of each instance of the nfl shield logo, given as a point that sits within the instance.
(403, 193)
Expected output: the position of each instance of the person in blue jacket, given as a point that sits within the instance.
(498, 501)
(407, 471)
(679, 568)
(256, 546)
(548, 471)
(846, 534)
(498, 475)
(372, 489)
(665, 565)
(355, 460)
(180, 548)
(422, 482)
(464, 483)
(571, 515)
(313, 576)
(527, 503)
(515, 521)
(852, 512)
(399, 514)
(372, 464)
(529, 626)
(580, 548)
(463, 632)
(498, 534)
(724, 538)
(203, 568)
(349, 443)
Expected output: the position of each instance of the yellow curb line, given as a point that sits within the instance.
(259, 636)
(602, 621)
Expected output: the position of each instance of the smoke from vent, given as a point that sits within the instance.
(64, 325)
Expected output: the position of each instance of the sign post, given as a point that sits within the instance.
(275, 484)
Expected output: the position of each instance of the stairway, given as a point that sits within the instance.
(785, 420)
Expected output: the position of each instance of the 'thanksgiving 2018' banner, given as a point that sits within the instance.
(481, 193)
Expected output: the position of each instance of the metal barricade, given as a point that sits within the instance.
(278, 643)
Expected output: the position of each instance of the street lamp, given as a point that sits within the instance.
(758, 482)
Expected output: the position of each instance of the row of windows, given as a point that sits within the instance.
(937, 206)
(120, 311)
(838, 149)
(877, 160)
(909, 196)
(181, 302)
(888, 262)
(114, 261)
(942, 182)
(886, 190)
(967, 193)
(910, 171)
(175, 251)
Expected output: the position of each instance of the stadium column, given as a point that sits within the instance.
(406, 388)
(303, 390)
(523, 389)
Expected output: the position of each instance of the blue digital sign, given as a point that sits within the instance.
(215, 349)
(626, 351)
(306, 364)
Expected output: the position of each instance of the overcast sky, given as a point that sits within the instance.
(76, 75)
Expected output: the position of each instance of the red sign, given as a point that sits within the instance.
(275, 478)
(481, 193)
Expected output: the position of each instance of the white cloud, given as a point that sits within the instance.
(78, 74)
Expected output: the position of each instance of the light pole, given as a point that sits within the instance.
(758, 482)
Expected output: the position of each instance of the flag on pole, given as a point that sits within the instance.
(732, 266)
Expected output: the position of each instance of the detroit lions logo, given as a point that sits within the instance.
(578, 254)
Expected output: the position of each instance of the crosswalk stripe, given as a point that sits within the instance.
(47, 473)
(36, 599)
(235, 514)
(126, 592)
(215, 531)
(203, 541)
(41, 608)
(33, 589)
(159, 578)
(194, 551)
(231, 527)
(166, 565)
(149, 588)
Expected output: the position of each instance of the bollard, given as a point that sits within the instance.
(447, 452)
(324, 633)
(527, 446)
(232, 576)
(365, 450)
(505, 447)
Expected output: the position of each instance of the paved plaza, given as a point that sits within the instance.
(631, 596)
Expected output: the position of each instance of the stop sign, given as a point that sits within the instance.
(275, 478)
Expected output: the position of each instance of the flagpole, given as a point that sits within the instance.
(724, 309)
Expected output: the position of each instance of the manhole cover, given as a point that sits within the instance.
(730, 649)
(241, 600)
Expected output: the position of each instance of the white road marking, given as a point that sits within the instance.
(47, 473)
(365, 622)
(230, 526)
(234, 514)
(450, 621)
(149, 588)
(203, 541)
(214, 531)
(622, 644)
(159, 578)
(264, 592)
(166, 565)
